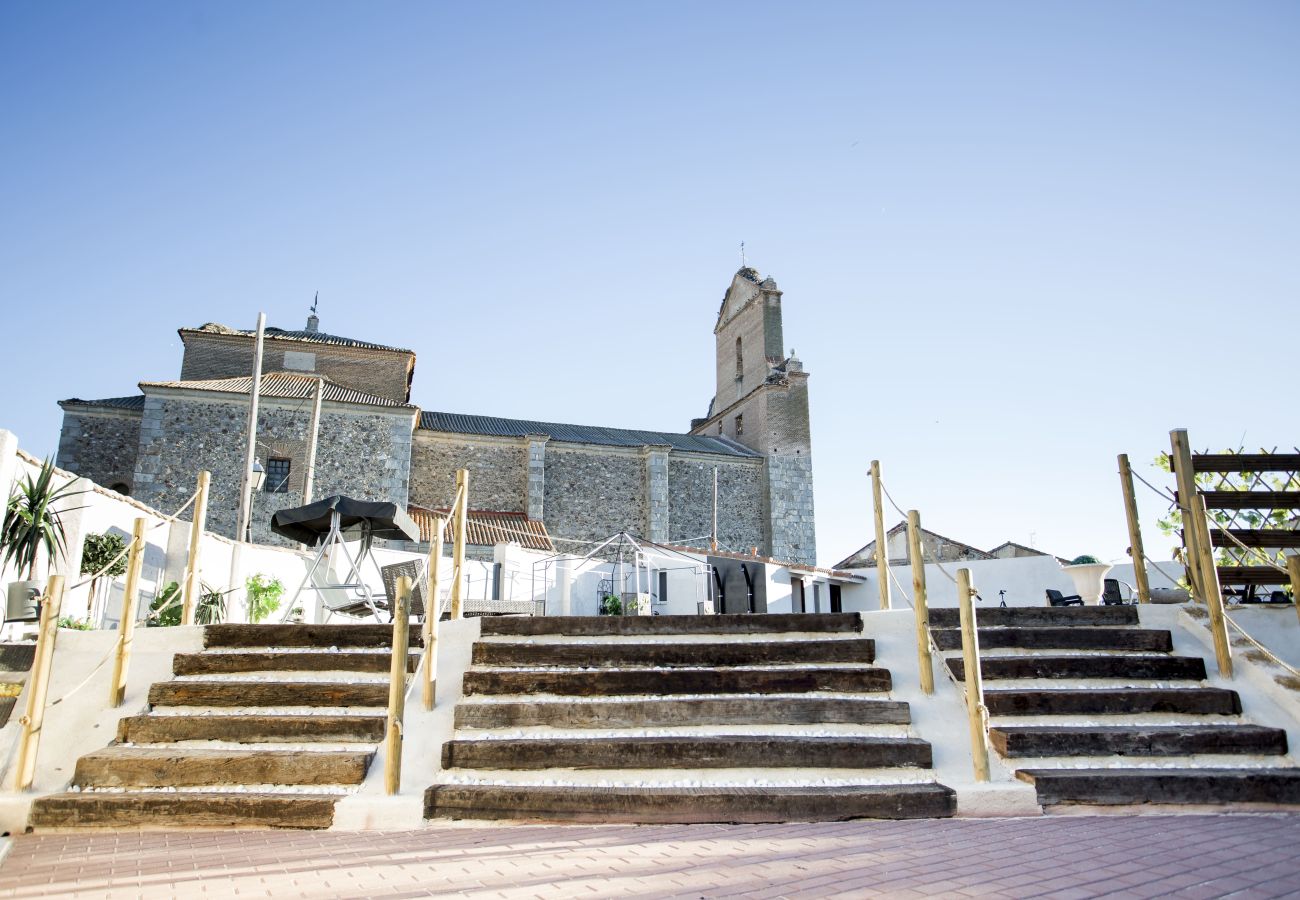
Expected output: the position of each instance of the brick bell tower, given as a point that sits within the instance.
(761, 401)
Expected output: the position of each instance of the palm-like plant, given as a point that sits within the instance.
(32, 523)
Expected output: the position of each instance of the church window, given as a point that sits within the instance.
(740, 361)
(277, 475)
(740, 425)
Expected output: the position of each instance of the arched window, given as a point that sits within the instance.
(122, 488)
(740, 361)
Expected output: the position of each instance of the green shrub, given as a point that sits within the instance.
(75, 624)
(263, 596)
(1084, 560)
(170, 616)
(610, 605)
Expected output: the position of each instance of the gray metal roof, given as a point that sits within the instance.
(281, 384)
(135, 402)
(310, 337)
(457, 423)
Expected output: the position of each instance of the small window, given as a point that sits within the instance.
(740, 425)
(121, 488)
(740, 361)
(277, 475)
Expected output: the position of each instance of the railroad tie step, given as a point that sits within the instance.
(268, 693)
(1109, 787)
(193, 809)
(678, 806)
(688, 753)
(251, 729)
(1112, 701)
(1162, 668)
(1136, 740)
(1038, 616)
(119, 766)
(1149, 640)
(757, 653)
(761, 623)
(285, 661)
(320, 636)
(607, 682)
(694, 711)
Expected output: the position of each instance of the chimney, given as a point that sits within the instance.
(313, 323)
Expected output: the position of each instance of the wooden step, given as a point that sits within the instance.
(17, 657)
(342, 636)
(252, 729)
(285, 661)
(170, 767)
(1163, 668)
(1135, 740)
(674, 681)
(757, 623)
(678, 806)
(1109, 701)
(494, 653)
(1037, 616)
(727, 752)
(659, 713)
(194, 809)
(1076, 638)
(1109, 787)
(267, 693)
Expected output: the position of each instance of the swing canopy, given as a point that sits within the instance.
(358, 520)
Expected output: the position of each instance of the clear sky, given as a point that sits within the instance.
(1015, 239)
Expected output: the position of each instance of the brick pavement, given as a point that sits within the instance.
(1063, 857)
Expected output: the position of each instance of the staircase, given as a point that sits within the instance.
(1099, 711)
(267, 727)
(680, 719)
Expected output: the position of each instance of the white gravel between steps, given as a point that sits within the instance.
(791, 637)
(305, 789)
(241, 711)
(641, 698)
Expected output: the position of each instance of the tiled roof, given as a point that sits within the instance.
(310, 337)
(580, 434)
(135, 402)
(487, 529)
(281, 384)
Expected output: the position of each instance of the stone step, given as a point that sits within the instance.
(757, 623)
(666, 713)
(194, 809)
(1037, 616)
(741, 751)
(170, 767)
(1162, 668)
(267, 693)
(1077, 638)
(349, 636)
(680, 806)
(757, 653)
(1110, 787)
(1109, 701)
(251, 729)
(674, 681)
(285, 661)
(1135, 740)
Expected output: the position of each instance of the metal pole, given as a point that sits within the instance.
(713, 534)
(919, 603)
(970, 652)
(397, 687)
(1134, 531)
(250, 451)
(126, 627)
(432, 613)
(882, 552)
(38, 685)
(193, 583)
(313, 433)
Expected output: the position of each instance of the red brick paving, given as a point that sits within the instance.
(1242, 856)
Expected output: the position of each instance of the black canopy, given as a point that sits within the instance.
(358, 519)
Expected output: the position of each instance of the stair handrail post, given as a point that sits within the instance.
(432, 613)
(1136, 549)
(1196, 535)
(1180, 460)
(1293, 572)
(920, 605)
(460, 515)
(193, 583)
(970, 651)
(126, 627)
(397, 686)
(882, 552)
(38, 685)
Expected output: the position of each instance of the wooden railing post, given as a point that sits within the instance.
(1196, 535)
(1134, 531)
(459, 515)
(970, 652)
(882, 551)
(193, 583)
(1293, 572)
(432, 613)
(397, 687)
(38, 685)
(126, 627)
(919, 603)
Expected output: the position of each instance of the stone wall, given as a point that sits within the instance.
(384, 373)
(362, 452)
(498, 471)
(100, 445)
(790, 509)
(591, 493)
(741, 502)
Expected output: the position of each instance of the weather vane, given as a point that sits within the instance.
(314, 301)
(742, 254)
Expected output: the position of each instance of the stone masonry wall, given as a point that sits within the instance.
(740, 501)
(790, 505)
(498, 471)
(101, 446)
(360, 453)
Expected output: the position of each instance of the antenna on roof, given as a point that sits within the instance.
(742, 254)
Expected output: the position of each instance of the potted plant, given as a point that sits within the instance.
(1087, 573)
(32, 524)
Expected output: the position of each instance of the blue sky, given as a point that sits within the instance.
(1015, 239)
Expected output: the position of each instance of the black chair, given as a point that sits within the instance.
(1056, 598)
(1110, 593)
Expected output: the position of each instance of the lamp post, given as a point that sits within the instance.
(254, 485)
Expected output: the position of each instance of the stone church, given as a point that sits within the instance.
(582, 483)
